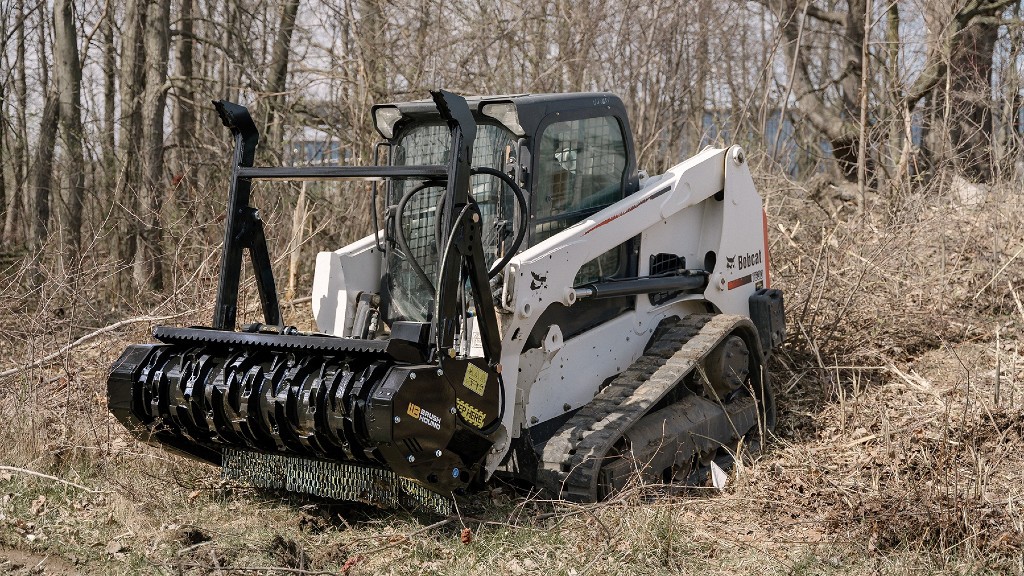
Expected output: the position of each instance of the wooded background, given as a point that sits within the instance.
(113, 163)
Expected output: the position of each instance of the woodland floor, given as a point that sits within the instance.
(898, 449)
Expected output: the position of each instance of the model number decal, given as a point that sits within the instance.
(422, 415)
(755, 276)
(471, 414)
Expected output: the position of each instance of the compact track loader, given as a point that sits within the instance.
(529, 304)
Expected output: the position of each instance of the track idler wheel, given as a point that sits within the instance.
(727, 368)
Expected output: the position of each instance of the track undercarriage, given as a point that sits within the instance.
(674, 406)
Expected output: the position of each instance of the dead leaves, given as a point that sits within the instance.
(38, 506)
(350, 563)
(113, 547)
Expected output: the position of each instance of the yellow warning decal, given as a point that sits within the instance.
(470, 414)
(475, 380)
(413, 410)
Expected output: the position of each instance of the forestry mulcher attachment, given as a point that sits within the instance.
(528, 305)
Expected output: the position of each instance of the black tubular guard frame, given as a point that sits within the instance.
(244, 228)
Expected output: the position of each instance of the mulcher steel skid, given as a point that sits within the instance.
(532, 315)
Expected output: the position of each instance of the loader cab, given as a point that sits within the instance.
(572, 154)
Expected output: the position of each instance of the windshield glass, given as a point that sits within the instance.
(411, 298)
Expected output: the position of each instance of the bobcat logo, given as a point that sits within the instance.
(745, 260)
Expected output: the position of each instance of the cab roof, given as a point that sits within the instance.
(532, 109)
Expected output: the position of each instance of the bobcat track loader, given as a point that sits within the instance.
(529, 305)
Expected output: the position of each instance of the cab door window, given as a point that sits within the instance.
(580, 170)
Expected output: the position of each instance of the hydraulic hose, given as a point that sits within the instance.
(400, 232)
(521, 202)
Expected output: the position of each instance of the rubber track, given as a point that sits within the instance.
(572, 458)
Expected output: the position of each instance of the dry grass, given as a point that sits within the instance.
(897, 450)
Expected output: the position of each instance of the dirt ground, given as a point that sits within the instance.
(901, 396)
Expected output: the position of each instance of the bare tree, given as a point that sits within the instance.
(132, 83)
(41, 176)
(68, 72)
(18, 201)
(40, 182)
(184, 123)
(827, 99)
(109, 72)
(4, 123)
(148, 269)
(276, 80)
(967, 96)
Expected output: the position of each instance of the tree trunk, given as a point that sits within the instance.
(184, 107)
(68, 73)
(278, 76)
(372, 85)
(107, 140)
(896, 153)
(129, 179)
(970, 126)
(41, 176)
(6, 196)
(15, 227)
(148, 269)
(371, 50)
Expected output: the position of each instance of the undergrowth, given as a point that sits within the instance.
(900, 388)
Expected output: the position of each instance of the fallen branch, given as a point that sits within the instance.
(263, 569)
(64, 350)
(48, 477)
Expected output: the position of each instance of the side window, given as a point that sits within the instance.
(581, 166)
(580, 169)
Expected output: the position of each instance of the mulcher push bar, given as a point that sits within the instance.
(366, 173)
(244, 228)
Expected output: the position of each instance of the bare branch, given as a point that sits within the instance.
(831, 16)
(64, 350)
(977, 8)
(28, 472)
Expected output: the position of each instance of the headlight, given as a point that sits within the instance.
(384, 120)
(504, 112)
